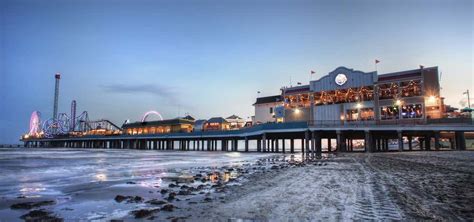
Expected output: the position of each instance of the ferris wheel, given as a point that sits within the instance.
(35, 124)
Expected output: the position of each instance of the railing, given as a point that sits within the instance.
(398, 122)
(463, 121)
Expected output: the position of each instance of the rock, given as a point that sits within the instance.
(137, 199)
(142, 213)
(130, 199)
(200, 187)
(207, 199)
(172, 185)
(198, 175)
(131, 182)
(40, 215)
(163, 191)
(184, 187)
(184, 192)
(171, 196)
(30, 205)
(156, 202)
(168, 207)
(120, 198)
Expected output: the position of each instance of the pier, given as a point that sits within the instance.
(284, 138)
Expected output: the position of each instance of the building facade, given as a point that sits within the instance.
(265, 109)
(178, 125)
(350, 96)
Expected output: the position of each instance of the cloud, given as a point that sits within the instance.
(166, 93)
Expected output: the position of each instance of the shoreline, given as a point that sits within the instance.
(343, 186)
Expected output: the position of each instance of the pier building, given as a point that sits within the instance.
(346, 110)
(349, 96)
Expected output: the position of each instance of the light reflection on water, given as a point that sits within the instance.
(48, 171)
(101, 177)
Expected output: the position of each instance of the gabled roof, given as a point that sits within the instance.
(189, 117)
(233, 117)
(216, 120)
(268, 99)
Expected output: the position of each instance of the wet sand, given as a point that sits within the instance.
(358, 186)
(382, 186)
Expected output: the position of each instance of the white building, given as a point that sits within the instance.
(265, 109)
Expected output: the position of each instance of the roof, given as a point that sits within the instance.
(402, 74)
(166, 122)
(216, 120)
(233, 117)
(268, 99)
(189, 117)
(297, 89)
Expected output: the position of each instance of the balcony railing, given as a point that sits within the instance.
(398, 122)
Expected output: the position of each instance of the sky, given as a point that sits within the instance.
(121, 58)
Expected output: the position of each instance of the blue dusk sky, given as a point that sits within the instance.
(119, 58)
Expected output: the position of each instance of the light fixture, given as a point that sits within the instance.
(358, 105)
(297, 111)
(432, 99)
(398, 102)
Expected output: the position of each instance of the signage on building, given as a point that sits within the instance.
(340, 79)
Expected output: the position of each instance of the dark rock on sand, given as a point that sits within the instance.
(130, 182)
(171, 196)
(172, 185)
(40, 215)
(208, 199)
(130, 199)
(168, 207)
(156, 202)
(120, 198)
(184, 192)
(136, 199)
(142, 213)
(30, 205)
(163, 191)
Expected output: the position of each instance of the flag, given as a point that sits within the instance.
(421, 66)
(258, 91)
(299, 83)
(312, 72)
(376, 61)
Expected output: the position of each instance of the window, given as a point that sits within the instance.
(271, 110)
(367, 114)
(412, 111)
(411, 88)
(352, 115)
(389, 112)
(363, 114)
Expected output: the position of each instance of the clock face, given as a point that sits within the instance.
(340, 79)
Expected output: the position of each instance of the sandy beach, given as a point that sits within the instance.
(201, 186)
(382, 186)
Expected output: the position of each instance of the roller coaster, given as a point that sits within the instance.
(64, 125)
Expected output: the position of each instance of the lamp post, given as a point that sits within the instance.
(468, 98)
